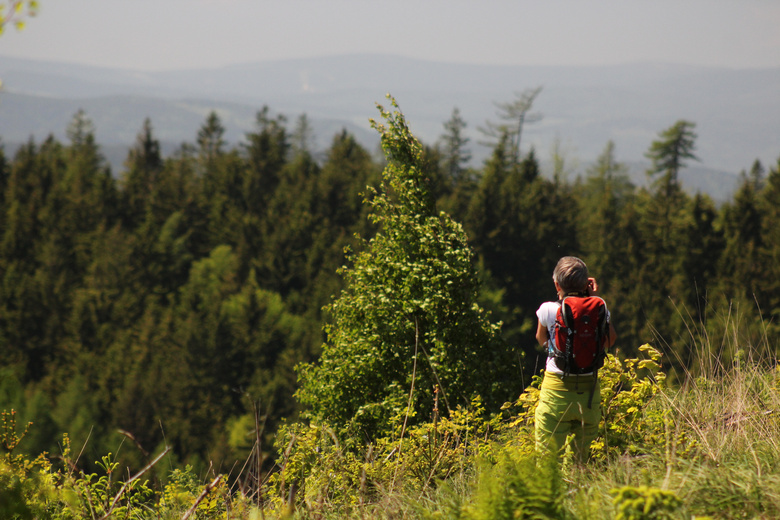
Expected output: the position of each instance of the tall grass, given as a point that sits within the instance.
(710, 448)
(707, 446)
(721, 452)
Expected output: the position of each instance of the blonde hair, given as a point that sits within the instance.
(571, 274)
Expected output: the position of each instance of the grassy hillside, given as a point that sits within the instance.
(707, 449)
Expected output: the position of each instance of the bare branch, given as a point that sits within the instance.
(201, 497)
(135, 477)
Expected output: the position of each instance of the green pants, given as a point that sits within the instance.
(563, 410)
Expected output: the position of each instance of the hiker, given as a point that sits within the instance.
(575, 331)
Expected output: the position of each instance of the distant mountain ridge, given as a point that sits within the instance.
(737, 112)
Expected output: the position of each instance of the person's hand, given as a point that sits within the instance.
(593, 287)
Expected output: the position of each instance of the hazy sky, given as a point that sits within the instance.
(165, 34)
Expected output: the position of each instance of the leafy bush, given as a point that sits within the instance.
(320, 472)
(33, 489)
(27, 487)
(521, 485)
(645, 503)
(407, 329)
(633, 419)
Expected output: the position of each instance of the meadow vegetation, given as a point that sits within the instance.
(708, 449)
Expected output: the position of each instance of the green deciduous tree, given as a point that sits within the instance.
(407, 324)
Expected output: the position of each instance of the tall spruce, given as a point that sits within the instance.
(743, 226)
(142, 169)
(520, 225)
(606, 228)
(663, 291)
(455, 154)
(267, 152)
(769, 289)
(670, 153)
(513, 116)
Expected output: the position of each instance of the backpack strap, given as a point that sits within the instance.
(567, 317)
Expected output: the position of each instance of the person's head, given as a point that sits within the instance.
(571, 274)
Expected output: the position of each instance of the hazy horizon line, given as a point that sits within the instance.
(239, 64)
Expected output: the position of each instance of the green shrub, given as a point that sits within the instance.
(633, 420)
(407, 329)
(646, 503)
(520, 485)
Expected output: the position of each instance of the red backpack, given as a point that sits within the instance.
(580, 330)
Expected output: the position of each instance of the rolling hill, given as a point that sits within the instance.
(737, 112)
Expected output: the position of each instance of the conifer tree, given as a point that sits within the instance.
(703, 252)
(210, 139)
(483, 211)
(769, 288)
(28, 325)
(290, 227)
(742, 227)
(514, 115)
(339, 214)
(455, 154)
(520, 225)
(302, 139)
(267, 152)
(605, 193)
(663, 290)
(142, 169)
(670, 153)
(607, 232)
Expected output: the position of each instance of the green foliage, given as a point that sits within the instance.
(519, 485)
(25, 489)
(322, 473)
(632, 420)
(644, 503)
(466, 467)
(34, 489)
(407, 327)
(10, 438)
(670, 152)
(26, 486)
(100, 496)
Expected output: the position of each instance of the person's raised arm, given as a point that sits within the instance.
(542, 336)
